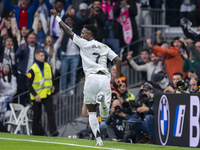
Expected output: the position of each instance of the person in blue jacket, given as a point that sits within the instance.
(23, 13)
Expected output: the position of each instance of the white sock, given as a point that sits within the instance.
(94, 124)
(104, 109)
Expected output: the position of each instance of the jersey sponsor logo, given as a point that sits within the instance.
(163, 120)
(179, 120)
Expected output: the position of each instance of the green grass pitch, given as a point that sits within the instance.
(24, 142)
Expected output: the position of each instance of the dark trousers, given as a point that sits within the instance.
(37, 108)
(21, 87)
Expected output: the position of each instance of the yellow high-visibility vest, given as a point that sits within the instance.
(42, 88)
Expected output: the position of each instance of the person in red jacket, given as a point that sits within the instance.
(172, 61)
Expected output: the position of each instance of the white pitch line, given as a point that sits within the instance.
(59, 143)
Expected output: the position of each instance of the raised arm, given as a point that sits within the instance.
(118, 65)
(65, 28)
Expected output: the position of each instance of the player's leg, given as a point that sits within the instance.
(105, 91)
(94, 123)
(91, 88)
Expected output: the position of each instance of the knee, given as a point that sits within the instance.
(148, 118)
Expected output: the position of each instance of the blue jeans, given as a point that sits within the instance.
(69, 65)
(146, 127)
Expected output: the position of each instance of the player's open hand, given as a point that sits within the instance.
(53, 11)
(118, 81)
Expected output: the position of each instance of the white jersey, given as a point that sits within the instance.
(94, 55)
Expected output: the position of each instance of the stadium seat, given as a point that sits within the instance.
(18, 118)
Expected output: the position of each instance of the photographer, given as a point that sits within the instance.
(178, 84)
(124, 94)
(193, 85)
(144, 127)
(117, 114)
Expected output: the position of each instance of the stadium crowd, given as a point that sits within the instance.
(27, 26)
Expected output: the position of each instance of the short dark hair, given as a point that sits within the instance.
(39, 51)
(145, 50)
(28, 34)
(91, 28)
(178, 73)
(62, 1)
(176, 38)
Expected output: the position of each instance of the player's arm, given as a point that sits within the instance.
(65, 28)
(118, 66)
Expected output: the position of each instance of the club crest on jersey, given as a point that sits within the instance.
(163, 120)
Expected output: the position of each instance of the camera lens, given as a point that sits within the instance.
(117, 109)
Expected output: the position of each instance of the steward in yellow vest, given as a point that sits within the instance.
(40, 84)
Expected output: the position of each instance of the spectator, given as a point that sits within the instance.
(143, 17)
(61, 7)
(191, 63)
(193, 85)
(25, 59)
(71, 12)
(153, 67)
(8, 88)
(145, 126)
(7, 55)
(51, 48)
(4, 35)
(114, 126)
(189, 42)
(108, 6)
(22, 33)
(97, 18)
(125, 12)
(41, 87)
(23, 13)
(43, 9)
(83, 13)
(70, 56)
(170, 57)
(145, 58)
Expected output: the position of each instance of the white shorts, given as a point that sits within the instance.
(95, 83)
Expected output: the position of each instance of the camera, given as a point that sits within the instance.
(126, 108)
(182, 86)
(146, 96)
(113, 96)
(135, 104)
(118, 109)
